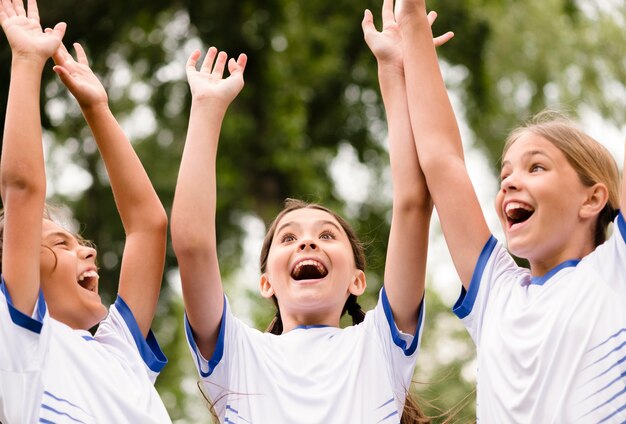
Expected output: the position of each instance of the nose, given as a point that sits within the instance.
(510, 183)
(307, 245)
(87, 252)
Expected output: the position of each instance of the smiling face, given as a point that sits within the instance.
(311, 268)
(541, 204)
(69, 278)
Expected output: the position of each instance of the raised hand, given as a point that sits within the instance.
(209, 82)
(78, 77)
(24, 32)
(386, 44)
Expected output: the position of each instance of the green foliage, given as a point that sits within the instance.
(310, 88)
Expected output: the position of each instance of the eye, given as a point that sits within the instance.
(60, 242)
(287, 237)
(537, 168)
(327, 235)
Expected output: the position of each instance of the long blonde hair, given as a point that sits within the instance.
(591, 160)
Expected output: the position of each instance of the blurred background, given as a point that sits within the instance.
(310, 124)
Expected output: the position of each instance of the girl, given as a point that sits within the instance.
(550, 339)
(51, 368)
(307, 369)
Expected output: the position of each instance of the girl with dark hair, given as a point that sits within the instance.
(306, 369)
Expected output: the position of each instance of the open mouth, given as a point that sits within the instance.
(516, 213)
(308, 269)
(89, 281)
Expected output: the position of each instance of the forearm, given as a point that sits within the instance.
(408, 238)
(194, 207)
(138, 204)
(23, 185)
(22, 162)
(432, 117)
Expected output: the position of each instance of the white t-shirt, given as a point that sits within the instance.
(312, 374)
(50, 373)
(551, 349)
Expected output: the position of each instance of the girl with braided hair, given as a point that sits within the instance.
(305, 369)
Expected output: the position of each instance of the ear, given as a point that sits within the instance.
(358, 284)
(596, 198)
(265, 286)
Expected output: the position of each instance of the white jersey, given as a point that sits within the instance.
(50, 373)
(312, 374)
(551, 349)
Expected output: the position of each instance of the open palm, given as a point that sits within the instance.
(24, 32)
(209, 81)
(78, 77)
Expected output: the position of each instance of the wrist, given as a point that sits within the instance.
(24, 62)
(96, 108)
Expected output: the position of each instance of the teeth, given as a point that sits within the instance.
(88, 274)
(516, 205)
(309, 262)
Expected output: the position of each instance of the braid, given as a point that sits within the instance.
(354, 310)
(276, 326)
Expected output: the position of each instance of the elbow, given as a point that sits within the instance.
(19, 185)
(188, 242)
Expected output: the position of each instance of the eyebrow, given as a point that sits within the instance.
(318, 223)
(527, 155)
(60, 234)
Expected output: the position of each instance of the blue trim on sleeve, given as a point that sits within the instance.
(465, 302)
(218, 353)
(149, 348)
(19, 318)
(395, 333)
(621, 224)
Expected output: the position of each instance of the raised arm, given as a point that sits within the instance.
(193, 210)
(405, 266)
(438, 142)
(22, 169)
(141, 212)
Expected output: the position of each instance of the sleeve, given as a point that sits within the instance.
(399, 349)
(204, 366)
(609, 259)
(216, 371)
(24, 344)
(495, 273)
(120, 331)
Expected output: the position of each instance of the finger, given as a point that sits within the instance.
(368, 22)
(64, 76)
(7, 8)
(59, 30)
(443, 39)
(18, 6)
(192, 60)
(388, 16)
(432, 16)
(33, 11)
(220, 63)
(207, 63)
(81, 56)
(239, 65)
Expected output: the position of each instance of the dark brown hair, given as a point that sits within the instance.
(412, 414)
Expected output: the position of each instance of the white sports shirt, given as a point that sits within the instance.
(50, 373)
(313, 374)
(551, 349)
